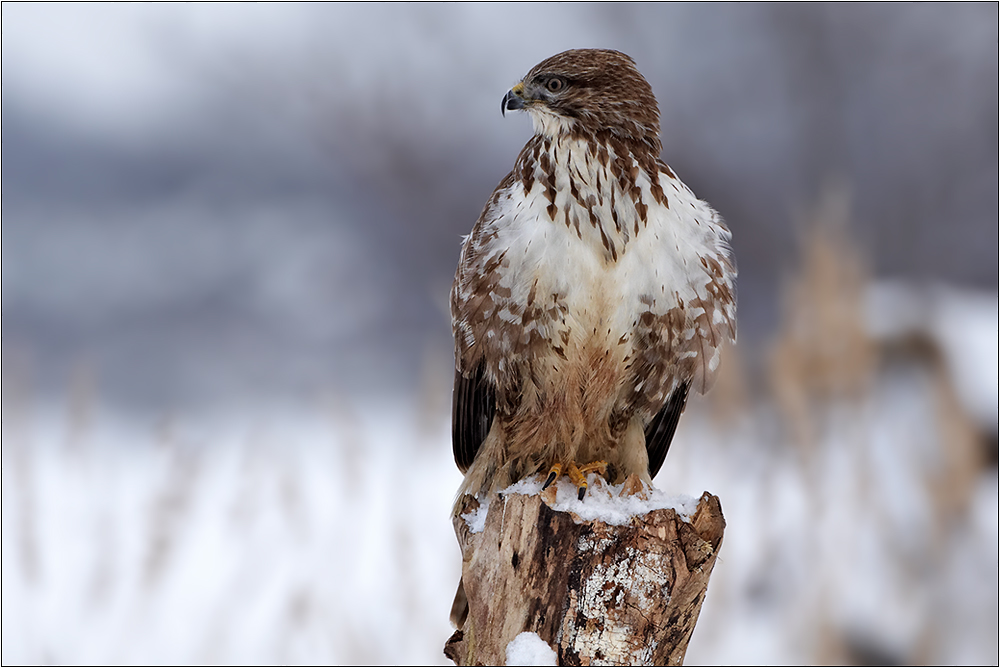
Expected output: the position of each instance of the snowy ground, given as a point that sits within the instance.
(289, 541)
(323, 535)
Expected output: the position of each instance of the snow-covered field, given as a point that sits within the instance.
(324, 536)
(272, 541)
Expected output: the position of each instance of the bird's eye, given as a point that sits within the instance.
(555, 84)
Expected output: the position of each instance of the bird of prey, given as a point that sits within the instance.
(593, 293)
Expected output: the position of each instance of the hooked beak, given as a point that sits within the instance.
(512, 100)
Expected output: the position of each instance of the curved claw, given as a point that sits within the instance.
(553, 474)
(578, 478)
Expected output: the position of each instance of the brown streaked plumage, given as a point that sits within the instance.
(594, 290)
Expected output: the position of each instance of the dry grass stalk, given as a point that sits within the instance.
(822, 351)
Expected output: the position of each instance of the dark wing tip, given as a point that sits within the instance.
(660, 431)
(472, 409)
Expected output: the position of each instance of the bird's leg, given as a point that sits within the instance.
(578, 475)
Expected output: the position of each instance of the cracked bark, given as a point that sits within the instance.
(598, 594)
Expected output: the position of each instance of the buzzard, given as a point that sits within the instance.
(593, 293)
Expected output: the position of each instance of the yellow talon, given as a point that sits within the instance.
(577, 475)
(595, 467)
(579, 479)
(553, 474)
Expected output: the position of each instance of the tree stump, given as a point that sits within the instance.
(616, 589)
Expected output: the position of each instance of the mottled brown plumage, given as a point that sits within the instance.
(594, 290)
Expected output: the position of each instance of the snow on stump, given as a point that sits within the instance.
(617, 579)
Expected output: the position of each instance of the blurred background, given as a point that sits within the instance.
(228, 237)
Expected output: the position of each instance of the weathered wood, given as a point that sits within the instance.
(595, 592)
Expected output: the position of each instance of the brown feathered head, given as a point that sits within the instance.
(588, 91)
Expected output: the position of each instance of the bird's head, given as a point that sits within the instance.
(588, 91)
